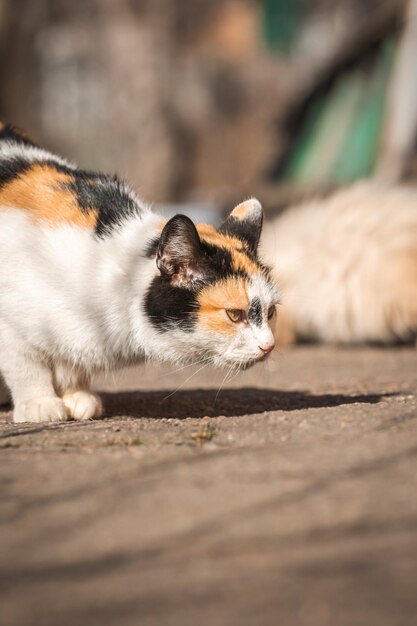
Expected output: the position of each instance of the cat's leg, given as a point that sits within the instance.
(82, 404)
(73, 385)
(29, 380)
(4, 393)
(400, 306)
(408, 288)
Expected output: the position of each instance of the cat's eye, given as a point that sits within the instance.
(235, 315)
(271, 311)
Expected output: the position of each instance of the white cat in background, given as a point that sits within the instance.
(347, 265)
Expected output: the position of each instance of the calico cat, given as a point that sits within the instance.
(91, 279)
(348, 265)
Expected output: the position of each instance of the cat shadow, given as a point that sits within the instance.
(230, 402)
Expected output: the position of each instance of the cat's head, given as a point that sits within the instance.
(212, 298)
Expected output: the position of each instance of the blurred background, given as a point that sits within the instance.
(203, 102)
(288, 497)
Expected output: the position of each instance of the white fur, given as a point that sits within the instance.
(82, 405)
(72, 304)
(41, 409)
(10, 150)
(347, 265)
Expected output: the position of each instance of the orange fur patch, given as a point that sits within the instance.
(240, 260)
(214, 299)
(209, 234)
(39, 191)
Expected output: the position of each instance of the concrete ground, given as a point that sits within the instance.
(290, 499)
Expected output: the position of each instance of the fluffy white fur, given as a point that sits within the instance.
(347, 265)
(72, 304)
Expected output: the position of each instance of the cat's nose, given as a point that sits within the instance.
(267, 348)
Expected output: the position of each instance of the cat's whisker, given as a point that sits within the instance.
(180, 369)
(186, 380)
(234, 374)
(223, 382)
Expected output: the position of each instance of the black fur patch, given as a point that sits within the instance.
(107, 195)
(248, 231)
(96, 191)
(11, 168)
(93, 190)
(170, 307)
(152, 248)
(255, 312)
(219, 259)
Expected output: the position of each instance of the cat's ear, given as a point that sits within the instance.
(180, 257)
(245, 223)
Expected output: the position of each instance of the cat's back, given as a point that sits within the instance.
(49, 190)
(366, 215)
(61, 248)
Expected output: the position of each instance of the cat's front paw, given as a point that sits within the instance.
(83, 405)
(44, 409)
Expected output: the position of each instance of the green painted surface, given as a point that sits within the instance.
(358, 154)
(281, 22)
(339, 139)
